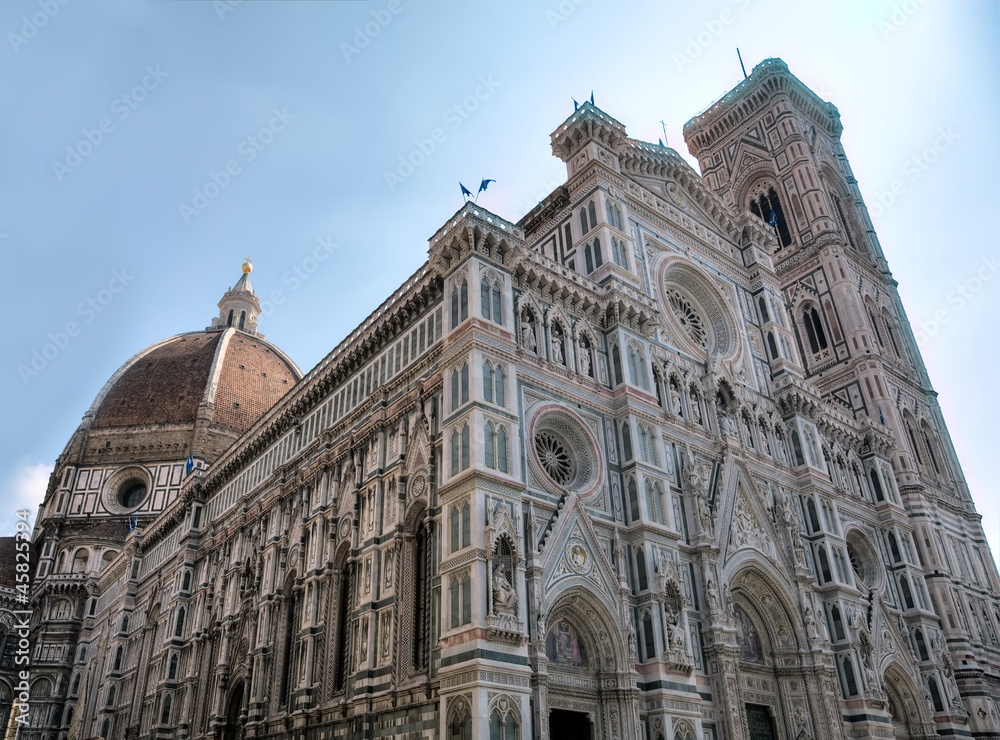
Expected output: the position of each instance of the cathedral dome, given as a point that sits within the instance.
(222, 375)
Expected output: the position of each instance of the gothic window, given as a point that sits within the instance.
(459, 303)
(618, 253)
(168, 701)
(243, 319)
(935, 694)
(876, 485)
(767, 207)
(814, 329)
(119, 657)
(499, 387)
(76, 685)
(172, 671)
(584, 224)
(648, 638)
(771, 346)
(460, 386)
(461, 526)
(179, 628)
(491, 299)
(633, 500)
(658, 387)
(838, 623)
(592, 211)
(487, 382)
(616, 362)
(918, 637)
(460, 725)
(636, 366)
(502, 727)
(928, 439)
(893, 547)
(495, 441)
(626, 442)
(642, 577)
(904, 588)
(229, 320)
(461, 600)
(797, 448)
(111, 695)
(763, 309)
(850, 682)
(654, 503)
(814, 525)
(824, 564)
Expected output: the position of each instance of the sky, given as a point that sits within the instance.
(150, 146)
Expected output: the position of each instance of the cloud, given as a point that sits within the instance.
(25, 489)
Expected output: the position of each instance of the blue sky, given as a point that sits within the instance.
(294, 116)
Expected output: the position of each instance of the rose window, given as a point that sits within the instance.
(688, 318)
(554, 457)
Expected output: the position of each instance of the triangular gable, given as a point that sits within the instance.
(749, 526)
(417, 450)
(573, 556)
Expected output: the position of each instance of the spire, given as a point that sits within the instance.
(239, 306)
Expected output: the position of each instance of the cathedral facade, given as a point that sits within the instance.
(659, 461)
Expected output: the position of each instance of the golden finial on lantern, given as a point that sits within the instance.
(247, 266)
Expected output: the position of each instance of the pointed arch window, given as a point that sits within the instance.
(814, 329)
(243, 320)
(499, 387)
(229, 320)
(767, 207)
(502, 727)
(626, 441)
(459, 449)
(112, 693)
(168, 702)
(616, 362)
(461, 600)
(935, 694)
(491, 300)
(495, 440)
(119, 657)
(838, 623)
(172, 671)
(850, 682)
(633, 500)
(642, 577)
(459, 303)
(648, 637)
(918, 637)
(179, 627)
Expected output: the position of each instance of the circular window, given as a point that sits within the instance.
(864, 562)
(564, 451)
(697, 310)
(126, 489)
(132, 494)
(554, 456)
(688, 318)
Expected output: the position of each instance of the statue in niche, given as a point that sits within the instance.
(504, 595)
(585, 364)
(675, 632)
(528, 340)
(564, 647)
(696, 409)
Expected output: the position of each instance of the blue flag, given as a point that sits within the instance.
(575, 104)
(591, 97)
(190, 465)
(774, 219)
(465, 191)
(484, 184)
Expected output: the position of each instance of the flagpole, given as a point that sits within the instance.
(741, 62)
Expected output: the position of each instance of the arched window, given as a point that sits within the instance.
(76, 684)
(119, 657)
(456, 451)
(636, 366)
(588, 254)
(935, 694)
(642, 578)
(484, 298)
(491, 300)
(648, 638)
(838, 623)
(771, 346)
(489, 443)
(466, 524)
(876, 485)
(186, 586)
(112, 693)
(229, 320)
(168, 701)
(243, 320)
(814, 329)
(499, 387)
(460, 724)
(461, 600)
(653, 503)
(419, 599)
(850, 682)
(80, 560)
(459, 303)
(813, 516)
(616, 363)
(172, 671)
(768, 207)
(465, 446)
(797, 448)
(918, 637)
(904, 588)
(893, 547)
(584, 225)
(497, 304)
(763, 309)
(487, 382)
(465, 383)
(502, 727)
(502, 465)
(927, 434)
(633, 501)
(824, 563)
(454, 520)
(626, 441)
(593, 214)
(179, 627)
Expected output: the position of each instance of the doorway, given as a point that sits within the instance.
(566, 725)
(234, 728)
(760, 722)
